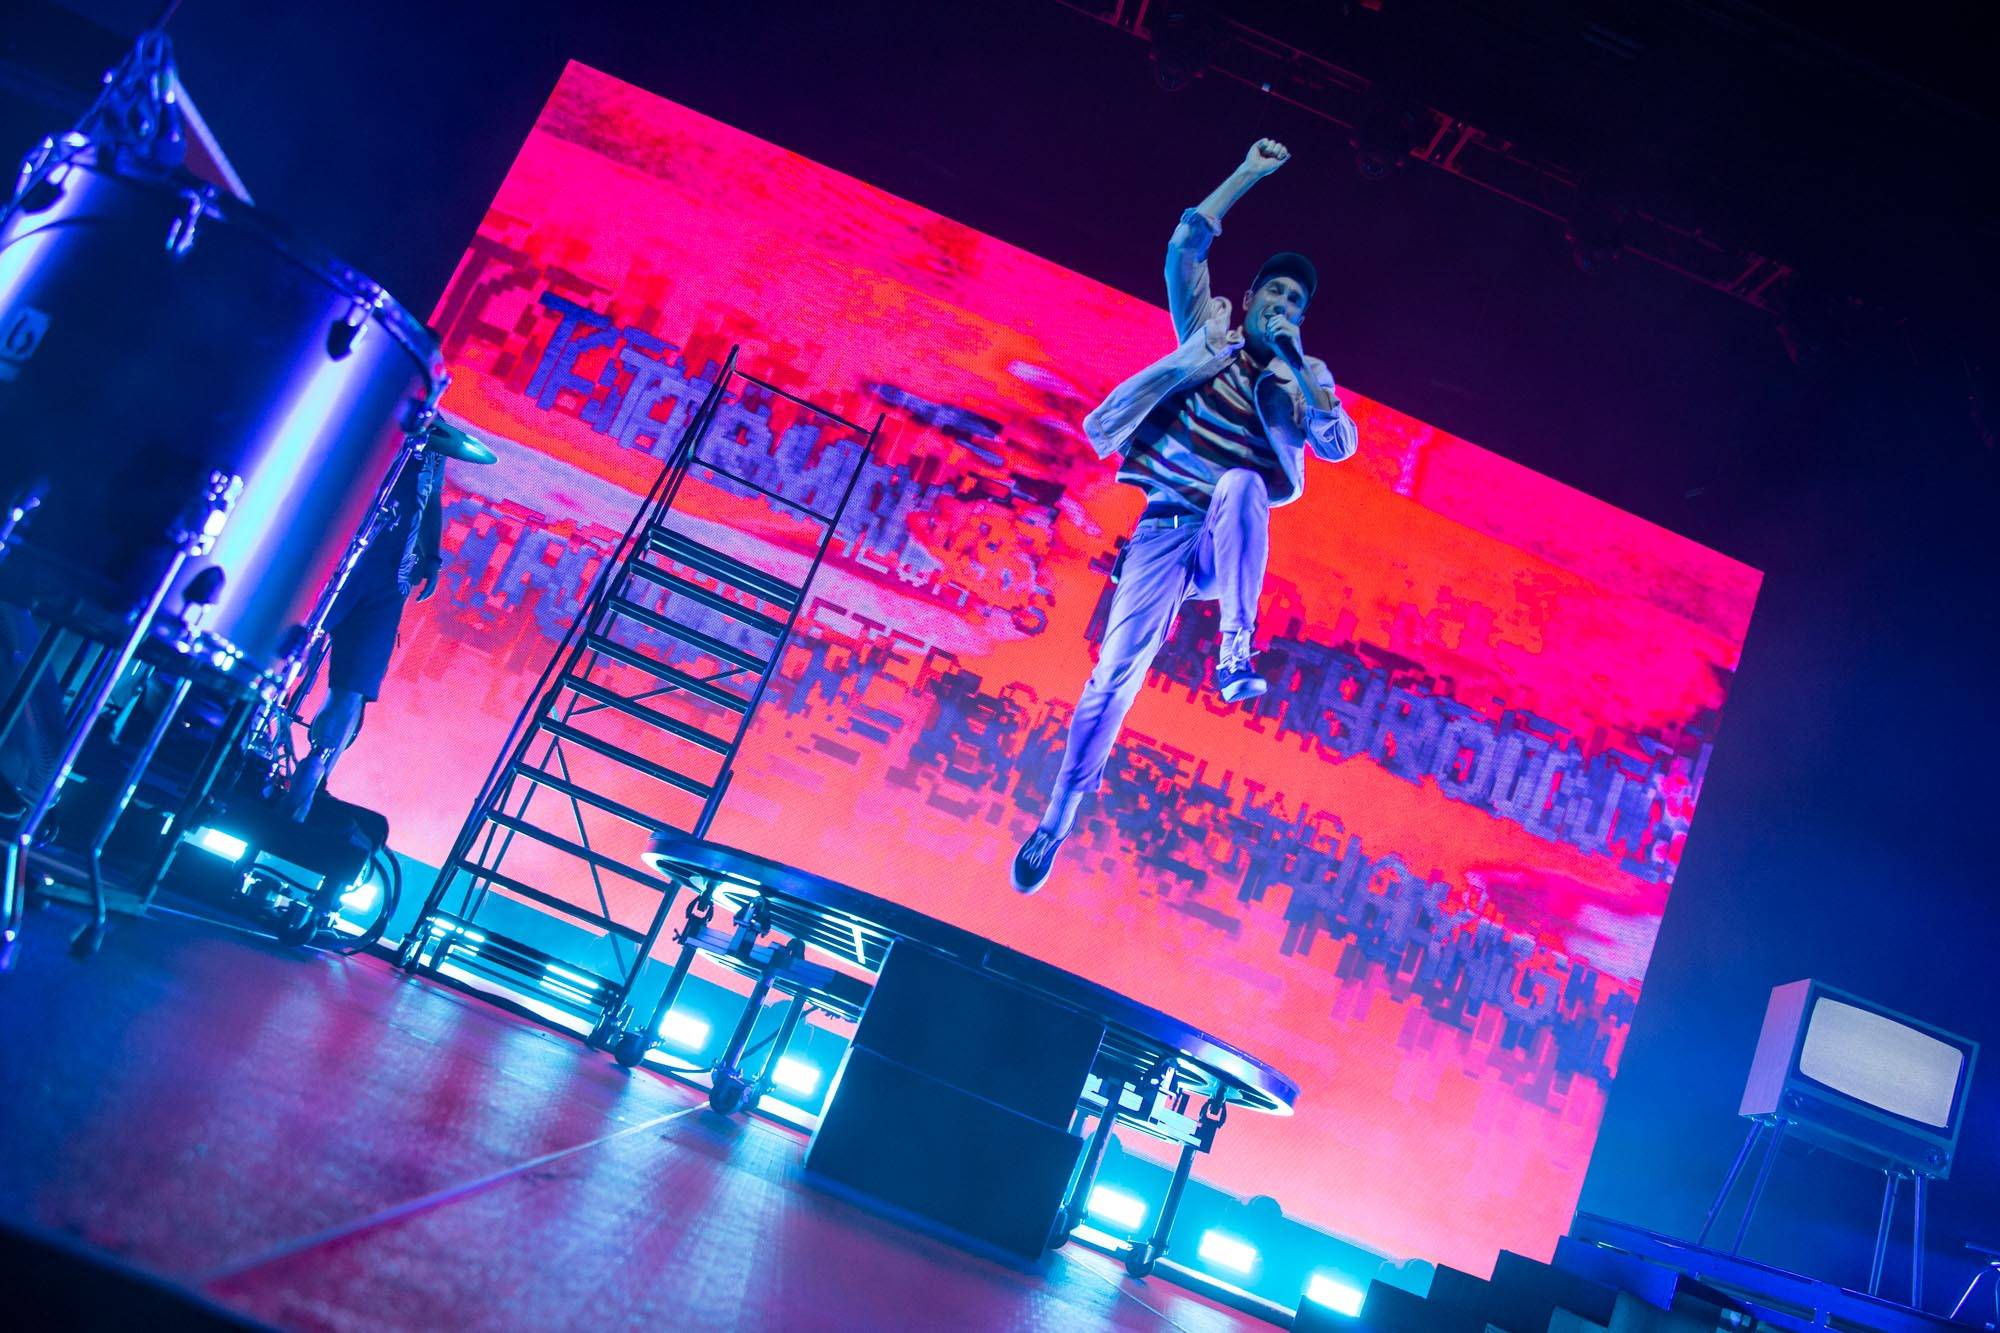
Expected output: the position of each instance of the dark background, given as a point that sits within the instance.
(1846, 832)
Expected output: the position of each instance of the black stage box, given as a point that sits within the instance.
(954, 1102)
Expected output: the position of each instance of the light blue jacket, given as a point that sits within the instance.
(1207, 341)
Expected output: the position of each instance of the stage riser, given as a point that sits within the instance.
(900, 1139)
(954, 1103)
(989, 1039)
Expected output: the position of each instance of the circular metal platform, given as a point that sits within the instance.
(859, 928)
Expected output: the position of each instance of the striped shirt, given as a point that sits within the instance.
(1184, 445)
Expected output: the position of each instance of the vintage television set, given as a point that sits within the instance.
(1860, 1078)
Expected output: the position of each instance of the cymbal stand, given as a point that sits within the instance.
(193, 536)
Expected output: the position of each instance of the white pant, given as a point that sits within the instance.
(1217, 556)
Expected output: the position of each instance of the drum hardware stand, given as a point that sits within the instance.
(138, 112)
(270, 735)
(635, 603)
(135, 771)
(193, 537)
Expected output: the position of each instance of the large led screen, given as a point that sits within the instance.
(1422, 876)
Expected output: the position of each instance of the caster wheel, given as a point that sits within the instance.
(610, 1029)
(84, 943)
(1059, 1230)
(298, 925)
(728, 1095)
(407, 956)
(629, 1049)
(1139, 1260)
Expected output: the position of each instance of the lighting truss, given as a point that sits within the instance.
(1450, 143)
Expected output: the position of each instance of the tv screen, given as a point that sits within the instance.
(1422, 876)
(1885, 1064)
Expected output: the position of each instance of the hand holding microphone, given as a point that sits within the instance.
(1284, 336)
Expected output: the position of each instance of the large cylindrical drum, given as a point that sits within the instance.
(155, 333)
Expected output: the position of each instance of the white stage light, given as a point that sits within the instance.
(1226, 1251)
(361, 898)
(683, 1030)
(574, 980)
(1117, 1207)
(795, 1076)
(1334, 1294)
(225, 845)
(1103, 1240)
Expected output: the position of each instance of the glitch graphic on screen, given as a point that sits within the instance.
(1422, 875)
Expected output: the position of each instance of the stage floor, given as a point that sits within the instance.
(327, 1144)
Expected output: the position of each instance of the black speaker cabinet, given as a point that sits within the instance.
(954, 1100)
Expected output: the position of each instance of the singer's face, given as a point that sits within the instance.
(1280, 298)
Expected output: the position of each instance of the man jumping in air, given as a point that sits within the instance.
(1216, 434)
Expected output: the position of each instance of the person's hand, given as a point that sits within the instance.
(426, 585)
(1265, 156)
(1285, 338)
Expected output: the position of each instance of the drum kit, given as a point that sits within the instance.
(201, 420)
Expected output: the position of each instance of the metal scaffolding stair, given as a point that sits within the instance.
(634, 726)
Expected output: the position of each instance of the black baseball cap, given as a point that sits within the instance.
(1289, 264)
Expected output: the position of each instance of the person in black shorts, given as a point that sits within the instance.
(403, 558)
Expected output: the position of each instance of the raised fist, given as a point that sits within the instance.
(1266, 156)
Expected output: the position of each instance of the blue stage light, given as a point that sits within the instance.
(225, 845)
(440, 927)
(684, 1030)
(361, 898)
(1117, 1207)
(565, 990)
(573, 979)
(1335, 1294)
(1103, 1240)
(795, 1075)
(1224, 1251)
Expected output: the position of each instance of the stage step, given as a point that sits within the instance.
(590, 855)
(652, 717)
(720, 565)
(657, 560)
(709, 598)
(1523, 1296)
(595, 920)
(671, 675)
(719, 649)
(659, 772)
(542, 778)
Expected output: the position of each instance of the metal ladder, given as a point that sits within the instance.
(634, 725)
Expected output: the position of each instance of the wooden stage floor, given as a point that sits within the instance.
(321, 1143)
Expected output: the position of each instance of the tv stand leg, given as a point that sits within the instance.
(1763, 1178)
(1729, 1181)
(1890, 1181)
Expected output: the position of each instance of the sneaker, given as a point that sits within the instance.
(1239, 681)
(1035, 859)
(1234, 676)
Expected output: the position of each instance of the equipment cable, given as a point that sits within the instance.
(389, 872)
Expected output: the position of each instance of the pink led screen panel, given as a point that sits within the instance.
(1422, 876)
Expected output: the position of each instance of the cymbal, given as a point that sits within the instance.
(448, 439)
